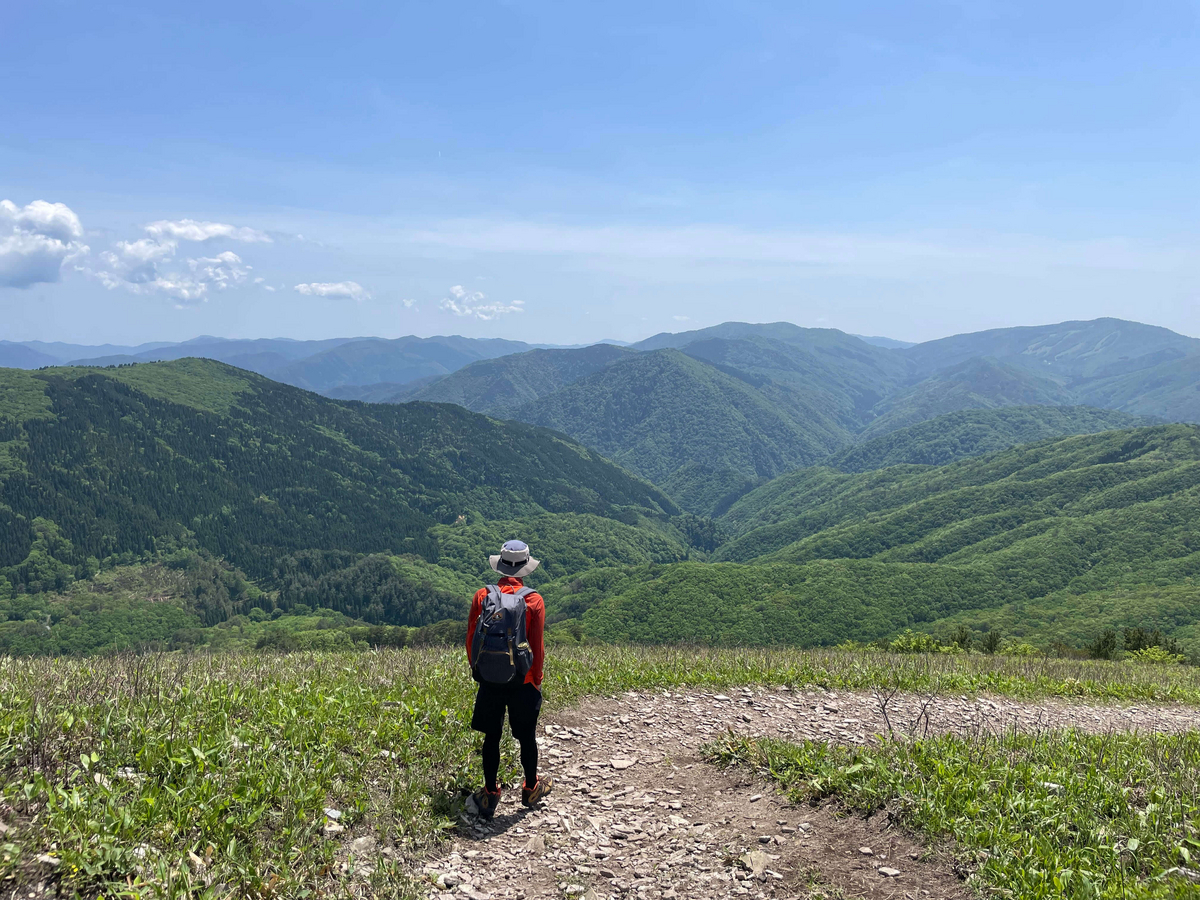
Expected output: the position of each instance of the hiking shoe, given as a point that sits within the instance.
(483, 803)
(531, 795)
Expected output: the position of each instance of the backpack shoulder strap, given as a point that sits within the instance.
(524, 592)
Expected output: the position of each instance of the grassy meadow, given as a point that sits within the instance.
(1061, 814)
(171, 775)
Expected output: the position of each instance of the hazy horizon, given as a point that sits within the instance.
(531, 339)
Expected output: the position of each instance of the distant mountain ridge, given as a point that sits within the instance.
(828, 392)
(985, 518)
(1070, 351)
(322, 366)
(739, 402)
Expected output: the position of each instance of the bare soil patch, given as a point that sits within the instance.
(636, 813)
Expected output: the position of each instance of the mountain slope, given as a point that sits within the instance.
(1068, 351)
(835, 382)
(405, 359)
(656, 413)
(18, 356)
(974, 384)
(1071, 536)
(979, 506)
(1170, 390)
(499, 386)
(195, 453)
(977, 432)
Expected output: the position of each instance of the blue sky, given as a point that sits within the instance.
(566, 172)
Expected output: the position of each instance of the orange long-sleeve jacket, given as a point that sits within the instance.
(535, 625)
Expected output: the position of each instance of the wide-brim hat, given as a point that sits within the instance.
(514, 560)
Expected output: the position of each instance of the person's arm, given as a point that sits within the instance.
(476, 609)
(535, 626)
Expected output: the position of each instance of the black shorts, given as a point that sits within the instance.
(523, 702)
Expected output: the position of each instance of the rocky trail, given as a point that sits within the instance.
(637, 815)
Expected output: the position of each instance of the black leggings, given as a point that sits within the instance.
(522, 702)
(491, 758)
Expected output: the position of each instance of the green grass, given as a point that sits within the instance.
(1061, 814)
(120, 767)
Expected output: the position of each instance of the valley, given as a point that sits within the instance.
(787, 485)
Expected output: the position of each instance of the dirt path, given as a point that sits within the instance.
(637, 815)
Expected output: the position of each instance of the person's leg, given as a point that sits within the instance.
(488, 717)
(491, 760)
(529, 754)
(523, 714)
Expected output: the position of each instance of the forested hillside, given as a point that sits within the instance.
(777, 396)
(100, 467)
(857, 515)
(849, 504)
(502, 386)
(661, 413)
(738, 404)
(975, 384)
(1056, 540)
(975, 432)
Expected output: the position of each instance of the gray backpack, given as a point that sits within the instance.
(500, 651)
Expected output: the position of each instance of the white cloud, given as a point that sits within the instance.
(682, 318)
(145, 250)
(55, 220)
(191, 230)
(462, 302)
(144, 267)
(222, 270)
(35, 241)
(341, 290)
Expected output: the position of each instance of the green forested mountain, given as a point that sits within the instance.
(1052, 540)
(738, 404)
(1068, 351)
(501, 386)
(1167, 390)
(777, 396)
(818, 604)
(840, 381)
(976, 432)
(123, 464)
(858, 490)
(902, 511)
(975, 384)
(657, 412)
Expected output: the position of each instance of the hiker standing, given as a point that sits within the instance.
(505, 651)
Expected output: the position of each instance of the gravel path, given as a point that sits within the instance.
(637, 815)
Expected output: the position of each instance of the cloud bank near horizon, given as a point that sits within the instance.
(475, 304)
